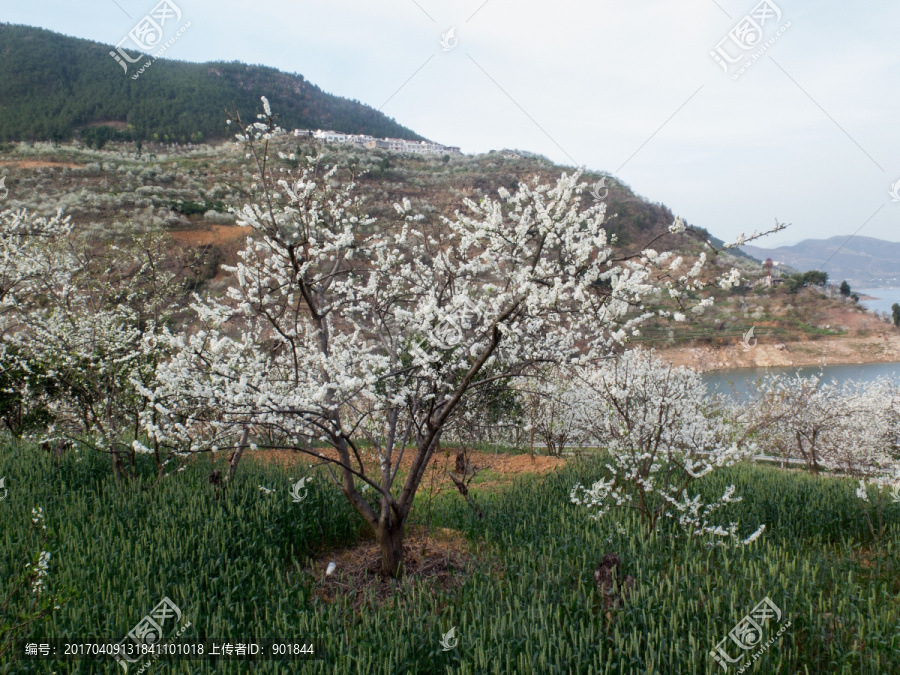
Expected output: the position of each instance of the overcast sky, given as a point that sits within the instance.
(809, 134)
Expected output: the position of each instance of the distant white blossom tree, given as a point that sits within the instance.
(36, 263)
(661, 432)
(852, 429)
(553, 404)
(78, 327)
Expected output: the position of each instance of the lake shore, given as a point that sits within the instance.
(831, 352)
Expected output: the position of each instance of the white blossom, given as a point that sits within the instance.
(661, 432)
(39, 572)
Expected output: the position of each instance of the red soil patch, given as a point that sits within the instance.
(38, 164)
(854, 321)
(515, 464)
(216, 234)
(443, 461)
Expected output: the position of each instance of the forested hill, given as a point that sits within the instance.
(53, 87)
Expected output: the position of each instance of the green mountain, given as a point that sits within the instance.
(54, 87)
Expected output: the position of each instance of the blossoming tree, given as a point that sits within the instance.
(661, 431)
(852, 429)
(77, 321)
(358, 340)
(810, 419)
(552, 412)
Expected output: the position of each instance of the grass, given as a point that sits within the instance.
(235, 566)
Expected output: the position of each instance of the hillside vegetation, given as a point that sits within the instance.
(188, 190)
(55, 87)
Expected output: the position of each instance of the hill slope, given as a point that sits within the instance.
(114, 193)
(51, 85)
(863, 261)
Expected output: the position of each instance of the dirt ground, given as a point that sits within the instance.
(216, 234)
(37, 164)
(438, 558)
(492, 468)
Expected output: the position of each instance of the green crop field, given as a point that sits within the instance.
(234, 566)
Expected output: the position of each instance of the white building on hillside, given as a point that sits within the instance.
(391, 144)
(330, 136)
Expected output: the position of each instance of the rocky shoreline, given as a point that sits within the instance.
(831, 352)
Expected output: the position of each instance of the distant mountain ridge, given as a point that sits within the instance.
(862, 261)
(53, 85)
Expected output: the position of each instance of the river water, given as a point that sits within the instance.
(884, 298)
(738, 382)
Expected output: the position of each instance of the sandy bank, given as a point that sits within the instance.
(835, 351)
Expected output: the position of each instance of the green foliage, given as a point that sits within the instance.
(895, 310)
(794, 282)
(845, 289)
(80, 85)
(190, 208)
(98, 136)
(815, 278)
(18, 416)
(531, 606)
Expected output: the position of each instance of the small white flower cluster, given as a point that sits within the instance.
(265, 129)
(40, 571)
(678, 227)
(747, 238)
(37, 517)
(733, 279)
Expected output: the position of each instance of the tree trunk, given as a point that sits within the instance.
(117, 466)
(464, 491)
(236, 457)
(389, 534)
